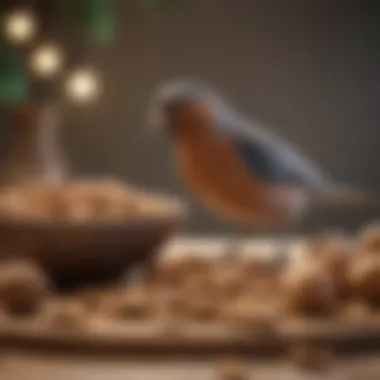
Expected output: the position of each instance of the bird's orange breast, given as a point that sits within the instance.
(219, 178)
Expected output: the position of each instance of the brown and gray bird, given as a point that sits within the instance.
(243, 172)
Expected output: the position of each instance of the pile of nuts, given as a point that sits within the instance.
(82, 201)
(338, 277)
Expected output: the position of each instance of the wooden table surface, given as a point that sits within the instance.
(20, 366)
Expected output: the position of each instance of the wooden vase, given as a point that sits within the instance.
(35, 154)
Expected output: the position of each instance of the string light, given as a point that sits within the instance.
(83, 86)
(46, 61)
(20, 26)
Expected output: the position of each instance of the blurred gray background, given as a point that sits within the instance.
(308, 69)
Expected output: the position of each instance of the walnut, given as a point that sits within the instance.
(13, 204)
(263, 286)
(66, 315)
(365, 278)
(232, 369)
(156, 205)
(202, 308)
(91, 298)
(309, 290)
(356, 311)
(196, 285)
(176, 270)
(53, 202)
(23, 287)
(108, 201)
(227, 280)
(249, 314)
(317, 244)
(132, 304)
(169, 324)
(311, 358)
(170, 301)
(336, 256)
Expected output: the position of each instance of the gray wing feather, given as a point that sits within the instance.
(268, 156)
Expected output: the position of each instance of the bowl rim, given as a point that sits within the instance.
(91, 223)
(177, 210)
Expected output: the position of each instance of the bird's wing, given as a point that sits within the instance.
(271, 158)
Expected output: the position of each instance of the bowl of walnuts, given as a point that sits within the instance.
(86, 230)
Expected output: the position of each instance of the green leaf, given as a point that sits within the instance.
(101, 28)
(95, 19)
(13, 78)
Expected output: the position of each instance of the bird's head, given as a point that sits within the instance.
(176, 104)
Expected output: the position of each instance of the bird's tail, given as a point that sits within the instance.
(343, 197)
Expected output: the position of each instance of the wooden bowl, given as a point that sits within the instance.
(76, 254)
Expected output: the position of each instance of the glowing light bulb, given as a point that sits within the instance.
(20, 26)
(46, 61)
(83, 86)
